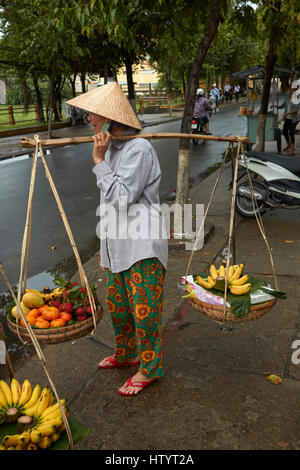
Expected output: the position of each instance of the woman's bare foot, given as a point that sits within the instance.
(111, 361)
(133, 387)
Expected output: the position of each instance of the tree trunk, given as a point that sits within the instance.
(39, 100)
(26, 94)
(270, 62)
(82, 78)
(105, 74)
(72, 82)
(184, 144)
(130, 84)
(262, 118)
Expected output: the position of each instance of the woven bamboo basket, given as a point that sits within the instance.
(61, 334)
(216, 312)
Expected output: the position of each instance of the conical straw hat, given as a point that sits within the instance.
(110, 102)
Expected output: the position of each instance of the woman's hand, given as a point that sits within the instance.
(101, 141)
(100, 265)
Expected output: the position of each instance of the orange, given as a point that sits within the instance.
(65, 316)
(34, 312)
(31, 319)
(58, 322)
(41, 323)
(44, 307)
(50, 313)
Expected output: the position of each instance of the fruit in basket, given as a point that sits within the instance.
(209, 284)
(49, 313)
(237, 284)
(58, 322)
(15, 313)
(42, 323)
(33, 300)
(240, 290)
(213, 271)
(41, 422)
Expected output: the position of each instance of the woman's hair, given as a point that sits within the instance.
(119, 125)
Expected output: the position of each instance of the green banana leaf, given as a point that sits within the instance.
(241, 304)
(78, 430)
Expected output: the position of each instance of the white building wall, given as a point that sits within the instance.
(2, 92)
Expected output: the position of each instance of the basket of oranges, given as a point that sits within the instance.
(55, 316)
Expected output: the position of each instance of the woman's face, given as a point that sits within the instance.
(96, 122)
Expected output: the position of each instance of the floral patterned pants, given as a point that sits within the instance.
(135, 302)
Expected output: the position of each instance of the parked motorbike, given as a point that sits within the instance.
(275, 182)
(197, 127)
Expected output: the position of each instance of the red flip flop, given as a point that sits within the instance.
(137, 384)
(114, 363)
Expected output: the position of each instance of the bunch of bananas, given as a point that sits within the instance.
(47, 294)
(237, 284)
(39, 419)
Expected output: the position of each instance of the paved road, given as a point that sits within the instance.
(71, 170)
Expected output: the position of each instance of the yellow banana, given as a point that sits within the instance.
(24, 438)
(7, 392)
(51, 416)
(9, 441)
(45, 442)
(25, 393)
(46, 429)
(3, 400)
(32, 446)
(35, 436)
(51, 399)
(53, 408)
(61, 428)
(31, 411)
(55, 437)
(34, 398)
(207, 284)
(15, 391)
(242, 280)
(213, 271)
(230, 271)
(237, 273)
(240, 290)
(43, 401)
(222, 272)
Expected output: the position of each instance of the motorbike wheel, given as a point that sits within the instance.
(195, 141)
(243, 203)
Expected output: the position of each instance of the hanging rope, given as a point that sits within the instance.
(259, 220)
(207, 208)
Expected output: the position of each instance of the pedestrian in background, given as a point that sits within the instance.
(291, 119)
(237, 93)
(128, 176)
(215, 93)
(227, 89)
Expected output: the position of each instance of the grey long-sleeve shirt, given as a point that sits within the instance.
(131, 222)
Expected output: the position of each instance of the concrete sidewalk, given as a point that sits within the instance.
(215, 393)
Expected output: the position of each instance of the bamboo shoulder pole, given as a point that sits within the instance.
(28, 142)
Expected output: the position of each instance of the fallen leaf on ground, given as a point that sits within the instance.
(53, 247)
(275, 379)
(288, 241)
